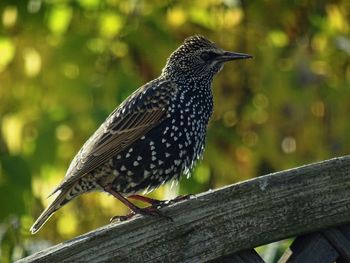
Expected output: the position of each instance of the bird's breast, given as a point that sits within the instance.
(166, 151)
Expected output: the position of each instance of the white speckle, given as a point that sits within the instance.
(152, 166)
(168, 145)
(129, 179)
(153, 152)
(151, 143)
(154, 158)
(136, 163)
(127, 155)
(143, 137)
(177, 162)
(129, 173)
(167, 171)
(175, 138)
(167, 155)
(163, 140)
(130, 150)
(119, 156)
(180, 146)
(132, 184)
(139, 158)
(160, 162)
(146, 173)
(123, 168)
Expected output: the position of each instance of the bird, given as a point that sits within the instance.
(154, 136)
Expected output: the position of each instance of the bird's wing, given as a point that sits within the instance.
(139, 113)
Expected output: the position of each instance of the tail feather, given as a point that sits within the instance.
(56, 204)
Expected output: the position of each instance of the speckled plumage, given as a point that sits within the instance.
(157, 134)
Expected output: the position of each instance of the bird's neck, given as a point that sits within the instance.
(197, 93)
(189, 80)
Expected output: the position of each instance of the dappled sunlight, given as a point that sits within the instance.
(12, 128)
(9, 16)
(7, 51)
(32, 62)
(59, 18)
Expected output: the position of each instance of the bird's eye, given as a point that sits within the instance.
(208, 55)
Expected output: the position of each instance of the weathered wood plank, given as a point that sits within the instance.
(339, 241)
(222, 222)
(345, 231)
(311, 248)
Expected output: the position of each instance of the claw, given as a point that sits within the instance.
(182, 197)
(177, 199)
(117, 219)
(153, 211)
(161, 203)
(147, 211)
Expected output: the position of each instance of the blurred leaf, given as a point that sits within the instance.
(60, 18)
(7, 49)
(110, 24)
(89, 4)
(15, 180)
(16, 171)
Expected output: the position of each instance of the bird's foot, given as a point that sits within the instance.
(147, 211)
(179, 198)
(152, 210)
(160, 203)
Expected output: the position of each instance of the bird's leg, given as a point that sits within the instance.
(159, 203)
(150, 211)
(148, 200)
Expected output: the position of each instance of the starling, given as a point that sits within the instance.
(156, 135)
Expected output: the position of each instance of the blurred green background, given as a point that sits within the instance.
(64, 65)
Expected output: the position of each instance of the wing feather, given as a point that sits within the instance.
(140, 112)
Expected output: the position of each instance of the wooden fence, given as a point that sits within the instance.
(224, 225)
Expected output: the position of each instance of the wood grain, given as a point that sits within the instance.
(221, 222)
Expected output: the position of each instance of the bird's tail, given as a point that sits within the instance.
(62, 198)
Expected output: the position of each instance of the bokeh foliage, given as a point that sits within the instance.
(64, 65)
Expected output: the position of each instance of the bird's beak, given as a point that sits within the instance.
(227, 56)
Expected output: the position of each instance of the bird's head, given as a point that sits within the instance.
(200, 58)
